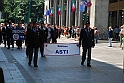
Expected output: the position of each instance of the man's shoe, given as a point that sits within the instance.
(42, 56)
(82, 63)
(88, 65)
(29, 64)
(8, 48)
(35, 65)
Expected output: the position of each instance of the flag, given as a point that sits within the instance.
(51, 12)
(58, 10)
(83, 4)
(47, 12)
(73, 9)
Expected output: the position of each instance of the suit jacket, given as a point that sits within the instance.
(32, 38)
(43, 34)
(4, 32)
(54, 33)
(86, 38)
(9, 31)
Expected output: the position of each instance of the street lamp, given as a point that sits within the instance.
(29, 11)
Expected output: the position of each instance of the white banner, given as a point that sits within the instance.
(61, 49)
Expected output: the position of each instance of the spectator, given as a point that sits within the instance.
(110, 36)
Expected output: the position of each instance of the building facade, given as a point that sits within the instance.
(66, 17)
(116, 13)
(102, 14)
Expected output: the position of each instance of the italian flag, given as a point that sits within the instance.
(51, 12)
(73, 6)
(59, 10)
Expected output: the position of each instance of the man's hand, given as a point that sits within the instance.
(78, 45)
(26, 44)
(92, 46)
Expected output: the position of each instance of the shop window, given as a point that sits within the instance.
(121, 0)
(121, 17)
(112, 18)
(113, 1)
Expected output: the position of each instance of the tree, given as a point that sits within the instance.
(1, 5)
(18, 9)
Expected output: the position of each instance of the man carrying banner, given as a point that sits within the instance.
(43, 34)
(87, 41)
(54, 34)
(19, 42)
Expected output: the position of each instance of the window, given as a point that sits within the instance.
(121, 0)
(112, 1)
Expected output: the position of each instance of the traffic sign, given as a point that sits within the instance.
(89, 4)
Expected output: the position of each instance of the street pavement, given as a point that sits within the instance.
(107, 66)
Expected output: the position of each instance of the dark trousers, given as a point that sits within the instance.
(54, 40)
(59, 35)
(27, 51)
(19, 43)
(4, 41)
(85, 49)
(117, 36)
(42, 50)
(31, 51)
(10, 41)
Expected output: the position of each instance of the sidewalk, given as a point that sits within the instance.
(107, 65)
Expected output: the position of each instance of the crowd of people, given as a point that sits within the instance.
(36, 34)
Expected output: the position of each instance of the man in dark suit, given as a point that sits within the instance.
(54, 34)
(9, 35)
(87, 41)
(30, 25)
(43, 34)
(32, 42)
(4, 26)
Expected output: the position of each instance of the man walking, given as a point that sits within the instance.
(87, 41)
(9, 35)
(43, 34)
(32, 42)
(4, 26)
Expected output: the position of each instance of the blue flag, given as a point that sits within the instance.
(48, 12)
(83, 4)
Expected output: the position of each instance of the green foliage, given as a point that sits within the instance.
(1, 4)
(18, 9)
(2, 21)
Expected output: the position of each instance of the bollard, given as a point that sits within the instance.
(1, 76)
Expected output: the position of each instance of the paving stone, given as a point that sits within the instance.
(106, 66)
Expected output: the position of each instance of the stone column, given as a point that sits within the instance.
(50, 18)
(67, 13)
(99, 16)
(55, 9)
(62, 12)
(79, 14)
(76, 13)
(46, 8)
